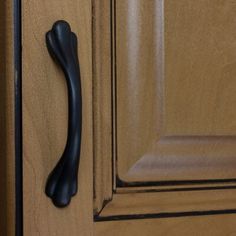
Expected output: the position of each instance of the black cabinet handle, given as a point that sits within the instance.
(62, 181)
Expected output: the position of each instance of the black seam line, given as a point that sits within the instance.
(93, 55)
(115, 87)
(163, 215)
(113, 73)
(180, 189)
(18, 119)
(122, 184)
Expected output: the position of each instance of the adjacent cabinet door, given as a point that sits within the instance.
(158, 150)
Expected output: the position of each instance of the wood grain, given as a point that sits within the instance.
(186, 158)
(139, 71)
(138, 108)
(200, 47)
(145, 150)
(133, 204)
(45, 118)
(102, 102)
(7, 161)
(175, 90)
(221, 225)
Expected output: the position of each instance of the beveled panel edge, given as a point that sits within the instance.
(163, 215)
(168, 204)
(102, 102)
(179, 149)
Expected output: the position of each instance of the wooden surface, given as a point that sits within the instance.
(148, 148)
(102, 102)
(200, 89)
(138, 77)
(45, 118)
(7, 168)
(175, 90)
(221, 225)
(168, 202)
(131, 104)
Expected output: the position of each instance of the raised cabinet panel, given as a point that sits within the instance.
(175, 90)
(199, 84)
(172, 124)
(139, 68)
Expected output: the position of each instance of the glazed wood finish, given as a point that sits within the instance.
(139, 72)
(7, 167)
(175, 90)
(199, 73)
(45, 117)
(153, 109)
(167, 203)
(223, 225)
(102, 102)
(142, 149)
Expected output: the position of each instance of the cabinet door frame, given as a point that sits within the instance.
(45, 118)
(10, 121)
(115, 199)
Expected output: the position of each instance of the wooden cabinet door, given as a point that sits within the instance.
(173, 121)
(45, 118)
(158, 146)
